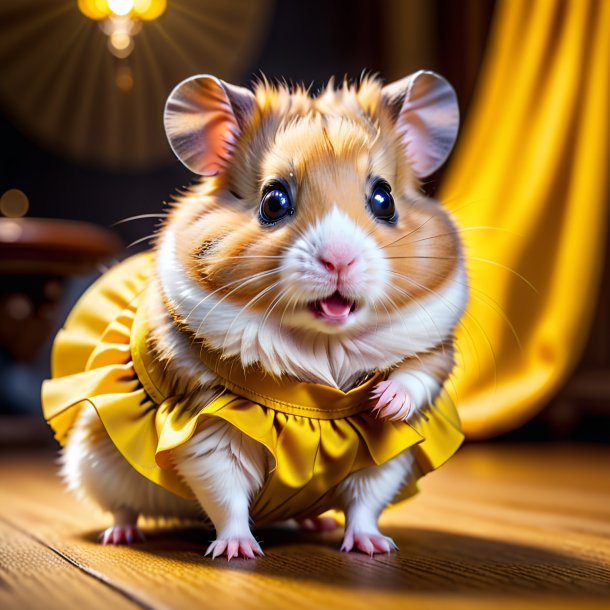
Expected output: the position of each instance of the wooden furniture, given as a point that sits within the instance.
(500, 526)
(36, 256)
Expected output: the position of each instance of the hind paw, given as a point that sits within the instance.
(369, 543)
(121, 534)
(234, 547)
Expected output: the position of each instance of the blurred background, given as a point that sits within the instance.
(82, 90)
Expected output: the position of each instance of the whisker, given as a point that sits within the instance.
(233, 291)
(469, 258)
(241, 281)
(506, 268)
(248, 256)
(388, 312)
(496, 308)
(285, 310)
(272, 305)
(415, 301)
(466, 314)
(138, 217)
(142, 239)
(253, 300)
(409, 233)
(373, 304)
(458, 230)
(417, 357)
(438, 295)
(447, 203)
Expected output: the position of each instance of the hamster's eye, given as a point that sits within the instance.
(381, 202)
(275, 204)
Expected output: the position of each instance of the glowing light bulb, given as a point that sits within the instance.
(121, 20)
(121, 7)
(136, 9)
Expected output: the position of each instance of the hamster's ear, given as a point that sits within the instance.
(424, 106)
(203, 119)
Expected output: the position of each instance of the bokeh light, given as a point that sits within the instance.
(124, 78)
(14, 203)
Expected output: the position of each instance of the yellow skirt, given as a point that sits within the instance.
(316, 436)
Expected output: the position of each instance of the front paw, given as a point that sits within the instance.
(245, 547)
(393, 400)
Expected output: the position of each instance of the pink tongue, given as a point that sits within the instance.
(335, 307)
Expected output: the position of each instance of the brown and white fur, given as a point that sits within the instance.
(254, 291)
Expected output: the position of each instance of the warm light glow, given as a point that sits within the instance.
(124, 78)
(121, 20)
(14, 203)
(10, 231)
(120, 44)
(122, 25)
(149, 9)
(135, 9)
(120, 40)
(121, 7)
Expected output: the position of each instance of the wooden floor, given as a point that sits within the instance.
(499, 526)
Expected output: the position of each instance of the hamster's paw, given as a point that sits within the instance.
(393, 400)
(245, 547)
(318, 524)
(122, 534)
(367, 542)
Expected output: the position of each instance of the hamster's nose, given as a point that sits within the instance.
(337, 258)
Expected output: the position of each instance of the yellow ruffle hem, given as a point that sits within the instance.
(316, 435)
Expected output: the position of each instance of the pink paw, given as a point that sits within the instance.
(318, 524)
(234, 547)
(393, 400)
(121, 534)
(367, 543)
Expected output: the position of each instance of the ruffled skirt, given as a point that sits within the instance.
(311, 454)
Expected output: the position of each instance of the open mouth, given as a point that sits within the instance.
(334, 309)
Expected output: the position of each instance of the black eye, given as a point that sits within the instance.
(275, 204)
(381, 202)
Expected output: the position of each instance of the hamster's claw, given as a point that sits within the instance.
(393, 400)
(121, 534)
(234, 547)
(368, 543)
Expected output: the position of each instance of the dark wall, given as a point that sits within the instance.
(307, 41)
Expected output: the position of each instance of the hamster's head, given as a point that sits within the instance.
(309, 246)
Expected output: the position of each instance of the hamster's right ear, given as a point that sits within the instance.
(203, 119)
(426, 114)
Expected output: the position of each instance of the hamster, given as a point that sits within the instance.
(305, 263)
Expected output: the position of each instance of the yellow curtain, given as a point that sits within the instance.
(528, 185)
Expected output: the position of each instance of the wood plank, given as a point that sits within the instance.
(498, 526)
(33, 576)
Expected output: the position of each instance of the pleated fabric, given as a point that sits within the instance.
(316, 435)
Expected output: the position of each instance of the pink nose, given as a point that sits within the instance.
(337, 257)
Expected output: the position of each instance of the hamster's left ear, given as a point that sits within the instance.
(203, 119)
(424, 106)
